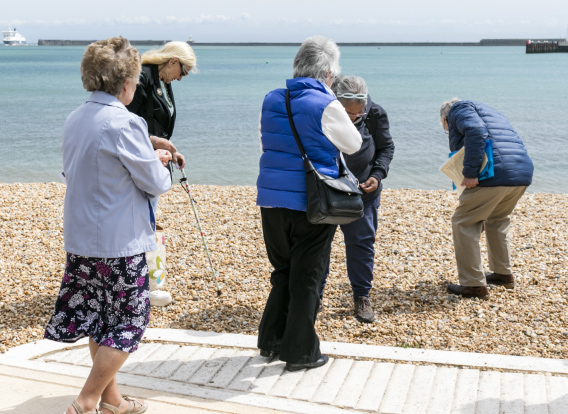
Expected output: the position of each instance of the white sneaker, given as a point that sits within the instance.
(160, 298)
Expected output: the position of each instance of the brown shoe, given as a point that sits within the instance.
(363, 310)
(480, 292)
(508, 281)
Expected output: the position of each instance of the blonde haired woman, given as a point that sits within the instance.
(154, 97)
(112, 177)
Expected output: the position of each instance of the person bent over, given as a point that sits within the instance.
(485, 202)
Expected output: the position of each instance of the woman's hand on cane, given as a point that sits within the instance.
(178, 159)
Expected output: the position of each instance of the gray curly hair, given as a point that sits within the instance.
(108, 63)
(350, 89)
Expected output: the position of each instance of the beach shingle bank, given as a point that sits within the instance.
(413, 263)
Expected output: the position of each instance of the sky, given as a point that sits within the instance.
(286, 21)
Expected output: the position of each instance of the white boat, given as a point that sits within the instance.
(13, 38)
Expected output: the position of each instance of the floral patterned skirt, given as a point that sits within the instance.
(106, 299)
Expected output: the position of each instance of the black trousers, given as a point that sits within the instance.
(298, 251)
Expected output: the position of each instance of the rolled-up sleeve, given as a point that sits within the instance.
(136, 154)
(339, 129)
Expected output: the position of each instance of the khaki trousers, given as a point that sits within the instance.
(492, 205)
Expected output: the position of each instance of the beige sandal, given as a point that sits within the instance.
(138, 407)
(79, 410)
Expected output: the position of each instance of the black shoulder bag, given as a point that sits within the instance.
(330, 200)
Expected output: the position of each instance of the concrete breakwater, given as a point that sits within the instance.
(482, 42)
(42, 42)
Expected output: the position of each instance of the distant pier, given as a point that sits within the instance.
(558, 46)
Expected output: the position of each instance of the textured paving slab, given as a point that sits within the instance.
(31, 392)
(204, 366)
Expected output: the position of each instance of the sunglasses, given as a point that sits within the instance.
(349, 95)
(183, 70)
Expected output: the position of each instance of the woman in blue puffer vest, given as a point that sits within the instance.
(486, 202)
(297, 249)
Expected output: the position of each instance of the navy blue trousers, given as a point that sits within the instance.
(359, 238)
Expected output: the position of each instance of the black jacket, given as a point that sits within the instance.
(157, 115)
(377, 150)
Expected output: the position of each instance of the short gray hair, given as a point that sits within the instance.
(317, 56)
(446, 106)
(353, 85)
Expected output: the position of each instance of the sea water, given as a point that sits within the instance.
(218, 108)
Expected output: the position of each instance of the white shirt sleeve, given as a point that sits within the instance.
(260, 132)
(339, 129)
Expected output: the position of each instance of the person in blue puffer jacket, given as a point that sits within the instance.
(297, 249)
(486, 203)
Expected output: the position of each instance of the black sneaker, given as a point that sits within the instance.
(271, 355)
(296, 367)
(363, 310)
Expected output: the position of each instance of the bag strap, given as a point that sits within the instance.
(308, 166)
(294, 131)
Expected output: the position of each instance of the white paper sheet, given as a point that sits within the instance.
(454, 166)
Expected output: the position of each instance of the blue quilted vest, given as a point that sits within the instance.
(282, 179)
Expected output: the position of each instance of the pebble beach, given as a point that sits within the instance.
(414, 261)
